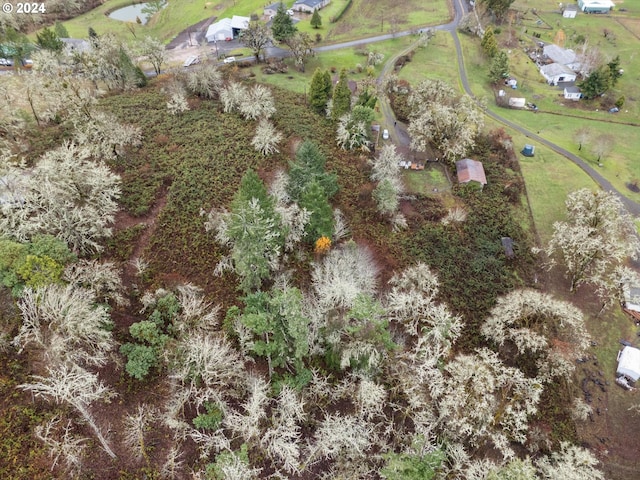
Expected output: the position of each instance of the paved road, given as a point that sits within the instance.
(400, 130)
(630, 205)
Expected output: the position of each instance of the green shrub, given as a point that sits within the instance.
(210, 420)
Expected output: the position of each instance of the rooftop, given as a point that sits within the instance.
(469, 170)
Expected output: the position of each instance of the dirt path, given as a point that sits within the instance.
(124, 220)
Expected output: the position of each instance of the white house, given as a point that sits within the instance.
(572, 93)
(570, 11)
(556, 73)
(596, 6)
(629, 363)
(75, 45)
(309, 6)
(219, 31)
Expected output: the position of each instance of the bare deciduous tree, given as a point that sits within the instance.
(266, 138)
(66, 323)
(602, 145)
(442, 119)
(76, 387)
(153, 51)
(205, 80)
(597, 236)
(67, 448)
(177, 102)
(65, 195)
(547, 331)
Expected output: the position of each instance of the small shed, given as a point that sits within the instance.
(469, 170)
(517, 102)
(507, 245)
(572, 93)
(629, 363)
(529, 151)
(570, 11)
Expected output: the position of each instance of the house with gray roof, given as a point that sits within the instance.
(556, 73)
(309, 6)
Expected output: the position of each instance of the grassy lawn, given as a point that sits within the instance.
(547, 187)
(347, 58)
(433, 61)
(431, 179)
(177, 16)
(363, 18)
(366, 18)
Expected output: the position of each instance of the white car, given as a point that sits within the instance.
(229, 60)
(290, 12)
(385, 134)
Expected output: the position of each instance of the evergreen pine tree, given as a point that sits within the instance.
(614, 69)
(61, 30)
(316, 19)
(282, 26)
(320, 224)
(341, 96)
(328, 84)
(49, 40)
(489, 43)
(308, 167)
(251, 186)
(318, 95)
(499, 68)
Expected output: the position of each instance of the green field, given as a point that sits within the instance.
(361, 20)
(351, 59)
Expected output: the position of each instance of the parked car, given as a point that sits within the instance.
(290, 12)
(385, 134)
(614, 110)
(229, 60)
(6, 62)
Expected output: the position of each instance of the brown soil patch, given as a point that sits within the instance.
(124, 220)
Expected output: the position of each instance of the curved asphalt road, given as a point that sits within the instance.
(460, 8)
(631, 206)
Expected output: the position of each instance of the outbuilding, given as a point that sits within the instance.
(629, 363)
(572, 93)
(517, 102)
(596, 6)
(219, 31)
(469, 170)
(570, 11)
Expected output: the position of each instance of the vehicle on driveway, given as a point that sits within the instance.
(385, 134)
(229, 60)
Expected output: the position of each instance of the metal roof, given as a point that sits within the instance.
(469, 170)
